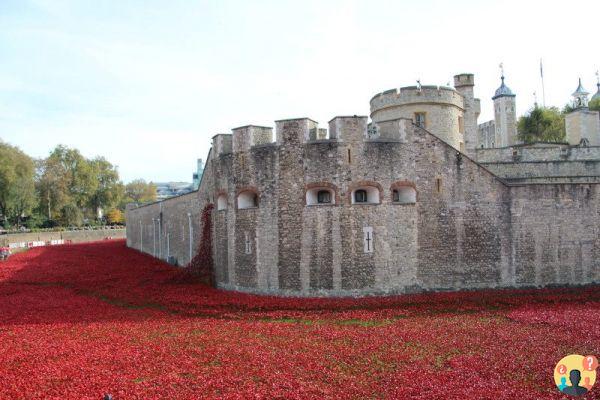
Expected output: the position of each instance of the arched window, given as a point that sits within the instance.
(366, 194)
(404, 195)
(247, 199)
(222, 202)
(320, 195)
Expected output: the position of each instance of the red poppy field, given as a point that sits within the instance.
(79, 321)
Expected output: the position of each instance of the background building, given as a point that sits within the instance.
(164, 190)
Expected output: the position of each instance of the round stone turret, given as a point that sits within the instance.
(438, 109)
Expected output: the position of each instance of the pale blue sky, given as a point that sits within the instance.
(148, 83)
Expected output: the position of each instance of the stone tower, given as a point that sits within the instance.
(464, 84)
(505, 116)
(582, 125)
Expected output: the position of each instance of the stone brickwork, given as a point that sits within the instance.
(583, 124)
(543, 163)
(169, 229)
(456, 225)
(441, 105)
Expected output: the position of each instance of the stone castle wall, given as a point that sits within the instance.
(166, 229)
(543, 163)
(583, 123)
(467, 229)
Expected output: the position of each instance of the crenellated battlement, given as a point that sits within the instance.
(462, 80)
(222, 144)
(417, 95)
(245, 137)
(297, 131)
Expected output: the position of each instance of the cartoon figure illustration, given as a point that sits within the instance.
(575, 374)
(575, 389)
(563, 383)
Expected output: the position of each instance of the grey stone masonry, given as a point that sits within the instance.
(352, 214)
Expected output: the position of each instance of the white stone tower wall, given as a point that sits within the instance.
(505, 116)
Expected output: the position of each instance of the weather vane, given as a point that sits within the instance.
(502, 68)
(598, 77)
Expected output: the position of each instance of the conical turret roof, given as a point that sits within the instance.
(503, 90)
(580, 91)
(597, 95)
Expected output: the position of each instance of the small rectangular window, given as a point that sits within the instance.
(360, 196)
(323, 197)
(349, 157)
(438, 185)
(420, 119)
(461, 125)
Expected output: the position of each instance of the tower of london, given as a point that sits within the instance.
(416, 196)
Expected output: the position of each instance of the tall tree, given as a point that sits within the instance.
(108, 191)
(138, 191)
(542, 125)
(67, 184)
(17, 189)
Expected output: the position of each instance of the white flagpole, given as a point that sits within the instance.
(543, 88)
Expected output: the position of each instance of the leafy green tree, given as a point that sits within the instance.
(542, 125)
(139, 191)
(67, 183)
(568, 108)
(109, 189)
(71, 215)
(594, 105)
(17, 188)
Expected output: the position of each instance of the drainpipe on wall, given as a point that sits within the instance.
(159, 219)
(153, 238)
(191, 233)
(168, 247)
(159, 240)
(141, 237)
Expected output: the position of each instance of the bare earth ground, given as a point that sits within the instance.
(79, 321)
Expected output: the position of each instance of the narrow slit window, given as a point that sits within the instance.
(420, 119)
(438, 185)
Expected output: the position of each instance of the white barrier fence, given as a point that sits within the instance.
(37, 243)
